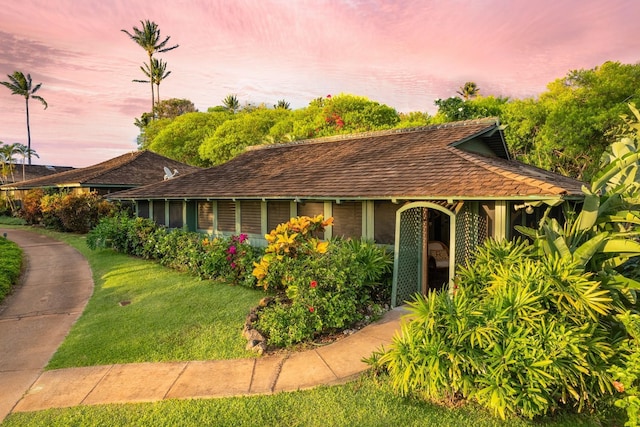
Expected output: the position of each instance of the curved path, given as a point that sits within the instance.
(41, 311)
(34, 320)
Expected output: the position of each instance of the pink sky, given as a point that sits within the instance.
(404, 53)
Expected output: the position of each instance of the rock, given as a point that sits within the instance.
(253, 335)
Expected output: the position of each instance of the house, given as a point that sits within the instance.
(22, 172)
(453, 184)
(120, 173)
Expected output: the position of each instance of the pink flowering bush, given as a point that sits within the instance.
(230, 259)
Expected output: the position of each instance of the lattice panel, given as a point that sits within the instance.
(471, 231)
(409, 255)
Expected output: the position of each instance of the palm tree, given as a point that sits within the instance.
(18, 84)
(468, 91)
(148, 38)
(7, 151)
(24, 152)
(282, 104)
(156, 74)
(231, 103)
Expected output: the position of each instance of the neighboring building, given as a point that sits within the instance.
(22, 172)
(123, 172)
(452, 185)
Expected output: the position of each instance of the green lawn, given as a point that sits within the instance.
(361, 403)
(10, 266)
(141, 311)
(173, 316)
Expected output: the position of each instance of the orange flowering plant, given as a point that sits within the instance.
(296, 238)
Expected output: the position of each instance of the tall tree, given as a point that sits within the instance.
(568, 127)
(155, 74)
(19, 84)
(468, 91)
(148, 38)
(24, 152)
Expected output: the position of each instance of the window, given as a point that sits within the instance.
(143, 208)
(227, 216)
(175, 214)
(158, 212)
(277, 213)
(311, 209)
(205, 215)
(347, 220)
(384, 222)
(251, 217)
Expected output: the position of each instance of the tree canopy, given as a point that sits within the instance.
(565, 129)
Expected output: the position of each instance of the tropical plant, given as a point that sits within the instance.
(299, 237)
(521, 335)
(602, 237)
(320, 286)
(282, 104)
(148, 38)
(26, 153)
(468, 90)
(7, 162)
(155, 74)
(627, 372)
(231, 103)
(19, 84)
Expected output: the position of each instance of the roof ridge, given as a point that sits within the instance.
(479, 159)
(384, 132)
(119, 162)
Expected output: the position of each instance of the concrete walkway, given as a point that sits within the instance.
(36, 317)
(55, 289)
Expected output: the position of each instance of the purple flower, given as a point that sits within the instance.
(242, 238)
(233, 265)
(231, 250)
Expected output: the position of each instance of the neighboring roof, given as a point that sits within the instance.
(34, 171)
(129, 170)
(419, 163)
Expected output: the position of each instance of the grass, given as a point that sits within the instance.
(167, 316)
(10, 266)
(364, 402)
(11, 220)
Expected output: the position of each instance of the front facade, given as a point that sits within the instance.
(432, 194)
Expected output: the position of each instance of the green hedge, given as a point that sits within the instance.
(11, 256)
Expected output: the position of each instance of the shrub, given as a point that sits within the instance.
(31, 210)
(520, 335)
(627, 372)
(229, 258)
(297, 238)
(49, 206)
(77, 213)
(323, 287)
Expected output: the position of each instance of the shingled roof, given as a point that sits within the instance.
(34, 171)
(128, 170)
(435, 162)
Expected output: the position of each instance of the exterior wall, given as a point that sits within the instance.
(374, 220)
